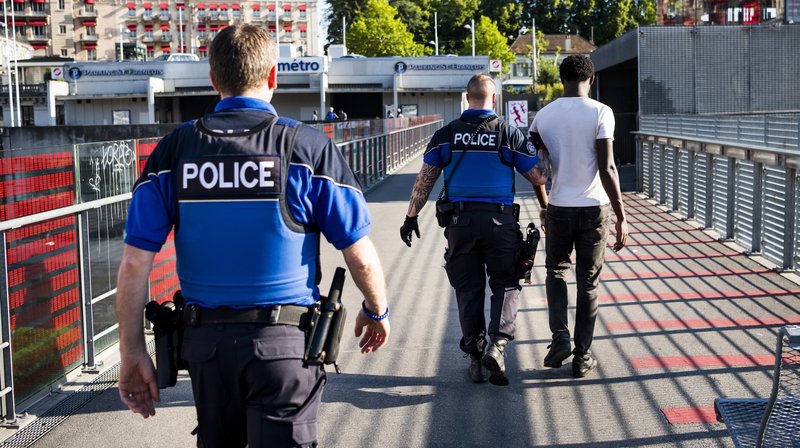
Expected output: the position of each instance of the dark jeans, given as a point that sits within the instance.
(481, 244)
(585, 229)
(250, 386)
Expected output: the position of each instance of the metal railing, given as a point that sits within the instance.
(63, 212)
(742, 182)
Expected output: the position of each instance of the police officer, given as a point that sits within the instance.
(478, 154)
(249, 194)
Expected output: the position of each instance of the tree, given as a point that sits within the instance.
(376, 31)
(489, 41)
(338, 11)
(418, 17)
(507, 14)
(453, 15)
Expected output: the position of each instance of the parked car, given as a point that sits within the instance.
(172, 57)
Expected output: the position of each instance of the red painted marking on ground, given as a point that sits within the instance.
(649, 221)
(676, 274)
(694, 295)
(692, 414)
(635, 231)
(700, 323)
(645, 257)
(681, 362)
(663, 242)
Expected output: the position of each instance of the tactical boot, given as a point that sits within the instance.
(494, 360)
(476, 371)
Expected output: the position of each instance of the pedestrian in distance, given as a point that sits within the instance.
(240, 182)
(478, 154)
(331, 115)
(342, 114)
(315, 115)
(578, 133)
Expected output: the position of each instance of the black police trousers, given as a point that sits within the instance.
(250, 386)
(481, 244)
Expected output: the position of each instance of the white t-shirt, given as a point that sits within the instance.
(569, 127)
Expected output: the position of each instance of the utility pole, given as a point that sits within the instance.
(16, 67)
(436, 30)
(344, 33)
(8, 69)
(121, 54)
(533, 50)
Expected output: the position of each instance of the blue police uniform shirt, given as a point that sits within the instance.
(475, 173)
(237, 251)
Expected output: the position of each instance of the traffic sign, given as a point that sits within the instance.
(495, 65)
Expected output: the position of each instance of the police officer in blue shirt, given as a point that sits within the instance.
(248, 194)
(479, 154)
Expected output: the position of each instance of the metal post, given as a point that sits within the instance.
(86, 293)
(758, 206)
(121, 54)
(691, 190)
(730, 219)
(790, 214)
(8, 69)
(344, 33)
(436, 30)
(533, 50)
(16, 67)
(180, 29)
(473, 37)
(662, 180)
(709, 199)
(6, 365)
(676, 185)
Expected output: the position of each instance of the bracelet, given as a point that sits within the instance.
(372, 315)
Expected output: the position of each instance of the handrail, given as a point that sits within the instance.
(359, 140)
(722, 143)
(59, 212)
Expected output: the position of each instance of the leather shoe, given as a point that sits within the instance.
(560, 349)
(583, 364)
(494, 360)
(476, 371)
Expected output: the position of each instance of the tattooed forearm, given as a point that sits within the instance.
(422, 188)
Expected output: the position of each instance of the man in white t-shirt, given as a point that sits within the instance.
(578, 132)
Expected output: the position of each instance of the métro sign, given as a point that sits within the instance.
(301, 65)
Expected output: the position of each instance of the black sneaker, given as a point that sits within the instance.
(476, 371)
(583, 364)
(560, 350)
(494, 361)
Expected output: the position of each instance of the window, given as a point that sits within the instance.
(132, 33)
(257, 13)
(39, 31)
(165, 37)
(64, 52)
(303, 34)
(27, 116)
(150, 53)
(19, 8)
(60, 120)
(88, 7)
(37, 7)
(62, 29)
(201, 34)
(131, 12)
(148, 34)
(61, 4)
(91, 54)
(91, 31)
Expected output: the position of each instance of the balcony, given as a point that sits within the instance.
(83, 13)
(132, 18)
(166, 38)
(30, 12)
(87, 38)
(148, 16)
(164, 17)
(287, 17)
(148, 39)
(37, 38)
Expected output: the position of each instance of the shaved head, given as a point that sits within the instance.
(480, 88)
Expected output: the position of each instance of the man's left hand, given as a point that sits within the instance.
(138, 388)
(622, 235)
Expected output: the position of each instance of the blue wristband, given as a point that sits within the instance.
(371, 315)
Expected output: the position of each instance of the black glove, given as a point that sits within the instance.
(409, 226)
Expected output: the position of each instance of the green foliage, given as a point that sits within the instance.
(549, 93)
(507, 14)
(376, 31)
(418, 17)
(547, 72)
(339, 10)
(453, 15)
(489, 41)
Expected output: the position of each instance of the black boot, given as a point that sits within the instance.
(476, 371)
(494, 360)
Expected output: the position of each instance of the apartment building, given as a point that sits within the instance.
(95, 30)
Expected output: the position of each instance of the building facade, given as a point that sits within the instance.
(94, 30)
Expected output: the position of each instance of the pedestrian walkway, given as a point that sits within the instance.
(683, 319)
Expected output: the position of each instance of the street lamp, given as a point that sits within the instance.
(436, 30)
(472, 28)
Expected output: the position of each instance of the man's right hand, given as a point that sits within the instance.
(138, 387)
(409, 226)
(376, 332)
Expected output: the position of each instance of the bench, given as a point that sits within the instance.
(773, 422)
